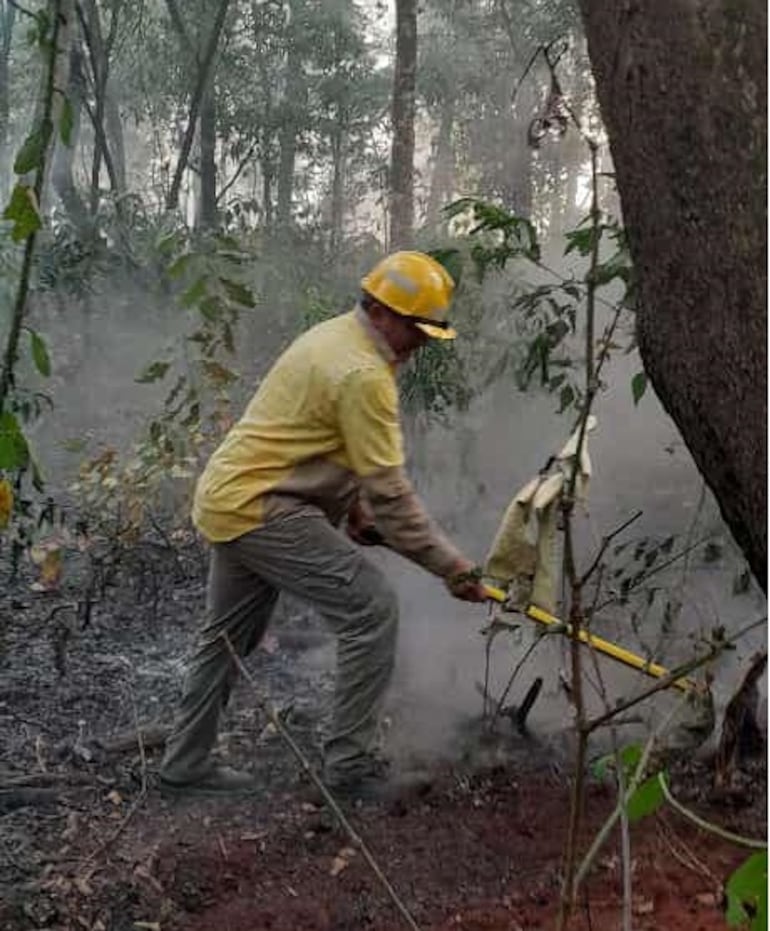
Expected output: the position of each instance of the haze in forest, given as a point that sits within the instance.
(258, 137)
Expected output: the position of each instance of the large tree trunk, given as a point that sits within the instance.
(683, 90)
(403, 112)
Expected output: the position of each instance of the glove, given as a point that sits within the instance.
(361, 527)
(465, 583)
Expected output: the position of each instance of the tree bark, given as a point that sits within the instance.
(294, 104)
(64, 155)
(204, 72)
(338, 147)
(207, 217)
(683, 91)
(7, 17)
(114, 126)
(442, 179)
(402, 115)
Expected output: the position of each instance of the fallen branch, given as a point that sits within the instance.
(357, 840)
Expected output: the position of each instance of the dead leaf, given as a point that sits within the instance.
(707, 899)
(142, 872)
(269, 644)
(81, 884)
(115, 797)
(342, 861)
(338, 865)
(6, 503)
(643, 907)
(47, 556)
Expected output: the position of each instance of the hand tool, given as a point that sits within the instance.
(606, 647)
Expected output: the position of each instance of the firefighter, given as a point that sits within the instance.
(315, 466)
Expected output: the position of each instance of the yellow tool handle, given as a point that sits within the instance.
(598, 643)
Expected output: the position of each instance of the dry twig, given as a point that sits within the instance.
(355, 838)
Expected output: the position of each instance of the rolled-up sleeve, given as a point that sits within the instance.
(370, 425)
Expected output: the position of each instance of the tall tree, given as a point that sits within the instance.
(7, 17)
(206, 64)
(403, 114)
(683, 91)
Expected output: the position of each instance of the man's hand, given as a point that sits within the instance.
(361, 527)
(464, 582)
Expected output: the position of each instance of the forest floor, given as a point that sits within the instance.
(88, 842)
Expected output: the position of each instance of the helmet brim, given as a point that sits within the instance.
(437, 332)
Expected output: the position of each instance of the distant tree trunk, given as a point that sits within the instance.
(207, 217)
(266, 165)
(62, 178)
(99, 53)
(402, 115)
(442, 178)
(293, 105)
(338, 183)
(7, 17)
(683, 90)
(114, 127)
(205, 70)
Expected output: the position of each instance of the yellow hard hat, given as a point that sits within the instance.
(414, 285)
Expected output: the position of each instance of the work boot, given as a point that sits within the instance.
(368, 781)
(218, 781)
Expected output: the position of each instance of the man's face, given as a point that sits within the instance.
(403, 337)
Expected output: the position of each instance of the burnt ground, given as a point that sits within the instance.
(87, 841)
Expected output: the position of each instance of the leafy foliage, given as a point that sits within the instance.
(116, 496)
(548, 315)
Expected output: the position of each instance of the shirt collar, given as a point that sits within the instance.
(381, 344)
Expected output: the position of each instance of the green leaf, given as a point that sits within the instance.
(153, 372)
(14, 452)
(30, 155)
(747, 893)
(238, 292)
(638, 386)
(194, 293)
(629, 758)
(40, 354)
(178, 267)
(66, 121)
(582, 240)
(647, 799)
(22, 210)
(452, 261)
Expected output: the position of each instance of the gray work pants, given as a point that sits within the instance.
(302, 553)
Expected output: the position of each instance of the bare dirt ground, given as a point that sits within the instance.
(87, 841)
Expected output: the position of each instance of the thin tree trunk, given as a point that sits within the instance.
(207, 217)
(99, 55)
(338, 184)
(64, 155)
(204, 72)
(403, 115)
(114, 125)
(442, 179)
(683, 91)
(294, 104)
(7, 17)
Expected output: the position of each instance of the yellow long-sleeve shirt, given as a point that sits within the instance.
(323, 425)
